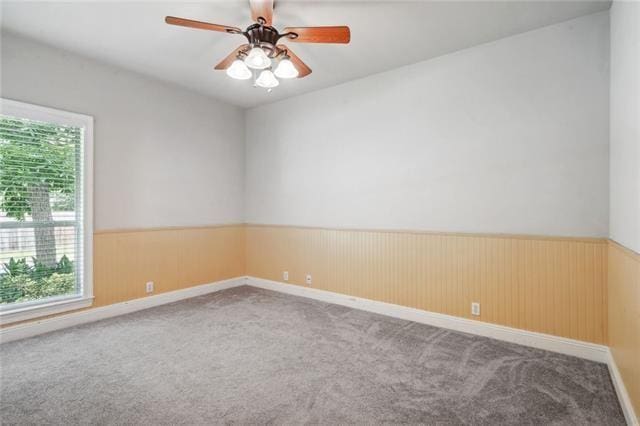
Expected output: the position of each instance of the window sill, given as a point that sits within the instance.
(23, 313)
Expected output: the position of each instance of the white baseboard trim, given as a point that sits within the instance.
(621, 390)
(590, 351)
(33, 328)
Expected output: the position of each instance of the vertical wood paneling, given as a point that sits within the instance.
(549, 285)
(172, 258)
(624, 316)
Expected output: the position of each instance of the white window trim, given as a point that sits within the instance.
(29, 310)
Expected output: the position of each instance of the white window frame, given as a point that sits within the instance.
(32, 309)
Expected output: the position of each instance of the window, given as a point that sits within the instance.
(45, 211)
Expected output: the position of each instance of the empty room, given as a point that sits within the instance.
(320, 212)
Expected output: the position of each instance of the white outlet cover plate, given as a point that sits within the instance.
(475, 309)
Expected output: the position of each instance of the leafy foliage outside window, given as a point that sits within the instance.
(21, 282)
(35, 156)
(38, 166)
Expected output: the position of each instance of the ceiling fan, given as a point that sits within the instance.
(262, 52)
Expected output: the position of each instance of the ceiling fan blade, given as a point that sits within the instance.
(340, 34)
(262, 9)
(201, 25)
(303, 69)
(226, 62)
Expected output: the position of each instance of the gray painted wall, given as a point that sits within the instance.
(507, 137)
(624, 225)
(511, 136)
(164, 156)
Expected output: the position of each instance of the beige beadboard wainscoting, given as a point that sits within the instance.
(173, 258)
(549, 285)
(624, 316)
(544, 284)
(586, 289)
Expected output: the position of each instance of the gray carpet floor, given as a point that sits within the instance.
(251, 356)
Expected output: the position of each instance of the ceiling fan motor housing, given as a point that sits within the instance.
(264, 36)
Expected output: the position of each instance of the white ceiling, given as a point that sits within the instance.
(384, 35)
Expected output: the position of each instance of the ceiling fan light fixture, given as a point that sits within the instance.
(267, 80)
(261, 51)
(286, 69)
(257, 59)
(239, 71)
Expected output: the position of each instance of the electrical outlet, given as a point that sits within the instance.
(285, 275)
(475, 308)
(308, 279)
(150, 287)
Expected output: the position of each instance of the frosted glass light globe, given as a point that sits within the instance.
(239, 70)
(257, 59)
(286, 69)
(267, 80)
